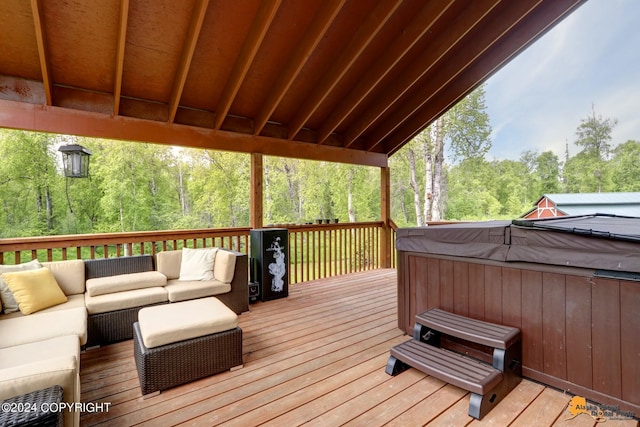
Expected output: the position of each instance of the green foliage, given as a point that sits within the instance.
(594, 136)
(218, 185)
(625, 167)
(467, 127)
(28, 177)
(477, 189)
(136, 186)
(299, 191)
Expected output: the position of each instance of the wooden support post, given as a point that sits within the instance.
(385, 216)
(256, 190)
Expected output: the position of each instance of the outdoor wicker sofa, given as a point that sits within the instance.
(100, 302)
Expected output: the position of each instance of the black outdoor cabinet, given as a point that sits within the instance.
(270, 250)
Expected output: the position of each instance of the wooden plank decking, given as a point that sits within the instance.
(316, 357)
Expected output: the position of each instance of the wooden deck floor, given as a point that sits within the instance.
(316, 357)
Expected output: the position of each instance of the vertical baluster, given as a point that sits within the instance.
(34, 254)
(16, 257)
(306, 255)
(293, 259)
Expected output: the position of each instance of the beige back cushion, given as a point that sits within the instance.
(168, 263)
(69, 275)
(224, 266)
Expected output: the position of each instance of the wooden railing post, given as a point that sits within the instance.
(385, 216)
(256, 190)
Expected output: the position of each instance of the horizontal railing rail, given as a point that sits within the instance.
(315, 250)
(106, 245)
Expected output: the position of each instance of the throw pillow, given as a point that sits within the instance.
(34, 290)
(197, 264)
(8, 302)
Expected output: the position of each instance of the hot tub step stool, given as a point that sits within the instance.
(488, 384)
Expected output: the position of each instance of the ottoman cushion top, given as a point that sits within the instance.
(170, 323)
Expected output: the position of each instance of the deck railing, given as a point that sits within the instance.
(315, 251)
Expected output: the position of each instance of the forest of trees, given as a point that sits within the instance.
(137, 187)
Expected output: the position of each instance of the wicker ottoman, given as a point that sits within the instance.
(181, 342)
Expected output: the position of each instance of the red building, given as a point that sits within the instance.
(554, 205)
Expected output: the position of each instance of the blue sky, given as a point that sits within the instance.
(536, 101)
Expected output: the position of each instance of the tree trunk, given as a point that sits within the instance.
(427, 147)
(182, 194)
(416, 190)
(49, 207)
(291, 189)
(267, 194)
(352, 214)
(437, 199)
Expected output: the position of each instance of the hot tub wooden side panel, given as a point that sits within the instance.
(580, 332)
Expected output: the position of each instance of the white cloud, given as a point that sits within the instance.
(536, 102)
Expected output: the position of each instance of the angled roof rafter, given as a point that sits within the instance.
(452, 65)
(41, 39)
(199, 12)
(466, 19)
(420, 25)
(361, 39)
(337, 79)
(259, 28)
(321, 24)
(119, 66)
(479, 71)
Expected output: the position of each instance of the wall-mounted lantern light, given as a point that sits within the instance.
(76, 160)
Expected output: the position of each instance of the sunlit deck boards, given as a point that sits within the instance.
(317, 356)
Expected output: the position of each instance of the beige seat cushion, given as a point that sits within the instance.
(125, 282)
(73, 301)
(180, 321)
(42, 326)
(180, 290)
(67, 345)
(126, 299)
(36, 375)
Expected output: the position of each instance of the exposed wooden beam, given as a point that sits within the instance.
(40, 118)
(465, 18)
(122, 39)
(197, 18)
(259, 28)
(363, 36)
(385, 216)
(532, 27)
(257, 178)
(320, 24)
(409, 36)
(41, 40)
(500, 21)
